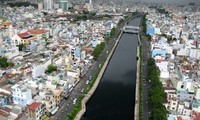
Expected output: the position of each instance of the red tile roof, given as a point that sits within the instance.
(4, 112)
(195, 115)
(34, 105)
(21, 35)
(169, 88)
(37, 31)
(179, 118)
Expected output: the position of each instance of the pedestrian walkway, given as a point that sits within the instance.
(137, 92)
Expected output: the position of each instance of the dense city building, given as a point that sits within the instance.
(48, 4)
(64, 5)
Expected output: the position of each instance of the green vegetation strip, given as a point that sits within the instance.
(156, 94)
(20, 4)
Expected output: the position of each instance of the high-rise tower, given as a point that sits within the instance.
(1, 9)
(48, 4)
(64, 5)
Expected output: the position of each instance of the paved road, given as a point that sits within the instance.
(146, 84)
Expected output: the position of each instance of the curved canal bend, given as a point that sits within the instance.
(114, 99)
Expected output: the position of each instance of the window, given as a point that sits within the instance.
(182, 86)
(174, 103)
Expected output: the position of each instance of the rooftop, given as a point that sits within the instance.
(37, 31)
(34, 105)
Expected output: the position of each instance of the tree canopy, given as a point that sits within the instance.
(5, 63)
(112, 31)
(20, 4)
(97, 50)
(156, 94)
(51, 68)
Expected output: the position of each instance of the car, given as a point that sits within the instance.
(87, 82)
(90, 77)
(74, 101)
(82, 90)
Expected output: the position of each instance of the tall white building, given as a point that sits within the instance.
(40, 6)
(21, 94)
(90, 6)
(1, 11)
(48, 4)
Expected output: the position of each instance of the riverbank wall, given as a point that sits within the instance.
(137, 89)
(95, 85)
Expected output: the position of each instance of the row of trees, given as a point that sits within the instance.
(144, 25)
(141, 85)
(20, 4)
(97, 50)
(112, 32)
(5, 63)
(156, 94)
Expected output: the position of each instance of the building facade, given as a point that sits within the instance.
(21, 94)
(48, 4)
(5, 99)
(1, 9)
(64, 5)
(36, 110)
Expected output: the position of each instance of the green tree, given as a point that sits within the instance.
(97, 50)
(106, 39)
(156, 94)
(151, 62)
(159, 114)
(113, 31)
(51, 68)
(148, 37)
(20, 4)
(5, 63)
(20, 47)
(120, 21)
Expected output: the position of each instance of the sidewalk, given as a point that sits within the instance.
(137, 92)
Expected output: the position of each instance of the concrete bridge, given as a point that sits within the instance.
(131, 29)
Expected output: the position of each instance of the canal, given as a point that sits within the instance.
(114, 99)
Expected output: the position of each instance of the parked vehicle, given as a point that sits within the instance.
(87, 82)
(74, 101)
